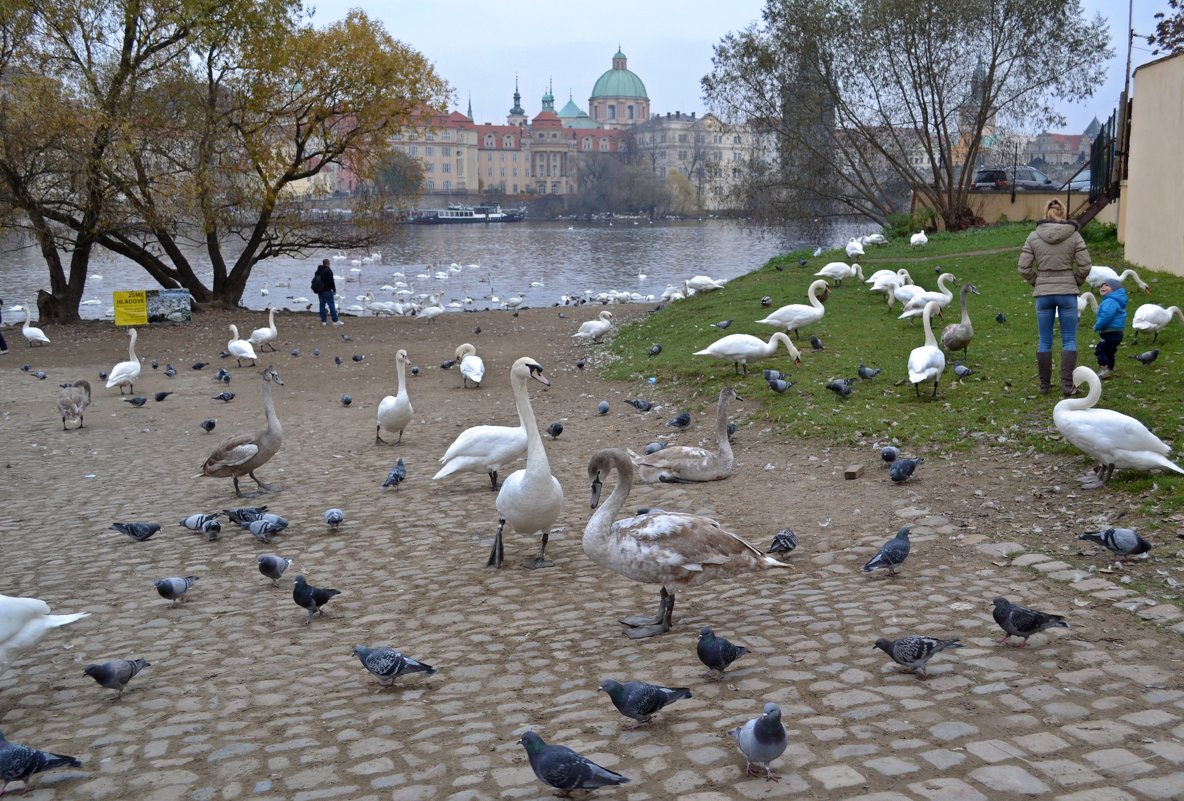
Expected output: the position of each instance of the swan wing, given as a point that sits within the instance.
(233, 452)
(678, 548)
(123, 373)
(926, 363)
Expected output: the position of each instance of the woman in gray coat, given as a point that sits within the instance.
(1055, 261)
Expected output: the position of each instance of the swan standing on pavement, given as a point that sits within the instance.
(33, 333)
(595, 329)
(394, 411)
(1114, 439)
(244, 453)
(1099, 275)
(957, 336)
(433, 310)
(472, 368)
(927, 362)
(837, 271)
(685, 465)
(743, 348)
(240, 348)
(73, 400)
(1153, 318)
(799, 315)
(530, 499)
(124, 374)
(668, 548)
(265, 336)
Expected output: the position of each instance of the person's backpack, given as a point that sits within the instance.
(317, 284)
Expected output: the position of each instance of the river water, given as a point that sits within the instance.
(473, 266)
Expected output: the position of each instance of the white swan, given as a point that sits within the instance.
(433, 310)
(703, 283)
(394, 411)
(904, 293)
(799, 315)
(874, 239)
(33, 333)
(265, 336)
(918, 240)
(487, 449)
(957, 336)
(837, 271)
(943, 297)
(1099, 275)
(854, 248)
(1150, 317)
(23, 622)
(472, 368)
(927, 362)
(595, 329)
(124, 374)
(668, 548)
(743, 348)
(902, 275)
(1087, 299)
(240, 348)
(1114, 439)
(685, 465)
(530, 499)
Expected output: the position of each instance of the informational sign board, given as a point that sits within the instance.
(141, 307)
(131, 308)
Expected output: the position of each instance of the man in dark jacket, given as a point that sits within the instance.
(325, 287)
(1109, 325)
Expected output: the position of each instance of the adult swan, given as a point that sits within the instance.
(244, 453)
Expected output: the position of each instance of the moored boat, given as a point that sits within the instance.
(467, 214)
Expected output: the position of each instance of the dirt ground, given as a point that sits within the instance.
(243, 701)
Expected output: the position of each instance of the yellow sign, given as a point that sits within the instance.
(131, 308)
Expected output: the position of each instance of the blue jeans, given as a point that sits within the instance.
(327, 302)
(1049, 307)
(1106, 349)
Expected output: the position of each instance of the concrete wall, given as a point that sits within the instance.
(994, 206)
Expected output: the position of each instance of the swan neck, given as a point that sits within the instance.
(602, 519)
(1176, 311)
(273, 422)
(131, 346)
(400, 371)
(721, 430)
(813, 295)
(536, 454)
(929, 339)
(965, 310)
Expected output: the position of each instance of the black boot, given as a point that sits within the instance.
(1044, 370)
(1068, 363)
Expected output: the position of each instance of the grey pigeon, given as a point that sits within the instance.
(414, 371)
(784, 541)
(773, 375)
(840, 386)
(316, 351)
(580, 364)
(891, 554)
(295, 353)
(244, 514)
(1016, 621)
(902, 469)
(115, 675)
(602, 408)
(1122, 541)
(263, 529)
(654, 447)
(225, 397)
(159, 396)
(868, 373)
(346, 400)
(761, 740)
(387, 664)
(311, 598)
(816, 343)
(889, 453)
(682, 422)
(780, 385)
(208, 425)
(278, 522)
(722, 324)
(334, 517)
(1147, 357)
(716, 652)
(273, 566)
(1001, 318)
(155, 364)
(358, 357)
(396, 475)
(555, 429)
(766, 301)
(220, 374)
(136, 401)
(639, 701)
(103, 375)
(137, 531)
(42, 375)
(913, 651)
(640, 404)
(448, 364)
(961, 370)
(655, 349)
(21, 762)
(170, 371)
(174, 587)
(564, 769)
(205, 523)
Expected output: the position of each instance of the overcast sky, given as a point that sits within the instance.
(479, 47)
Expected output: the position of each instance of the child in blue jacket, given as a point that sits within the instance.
(1111, 320)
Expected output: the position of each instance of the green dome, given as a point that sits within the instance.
(619, 82)
(570, 111)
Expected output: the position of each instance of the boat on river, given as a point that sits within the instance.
(467, 214)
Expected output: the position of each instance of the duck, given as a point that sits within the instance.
(530, 499)
(672, 549)
(918, 240)
(1153, 318)
(23, 622)
(1087, 300)
(837, 271)
(73, 400)
(1113, 438)
(472, 368)
(595, 329)
(854, 248)
(240, 348)
(957, 336)
(1099, 275)
(688, 465)
(486, 448)
(703, 283)
(927, 362)
(265, 336)
(32, 333)
(394, 411)
(743, 348)
(799, 315)
(943, 296)
(244, 453)
(124, 374)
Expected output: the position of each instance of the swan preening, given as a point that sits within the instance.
(394, 411)
(33, 333)
(1116, 440)
(265, 336)
(240, 348)
(1153, 318)
(686, 465)
(595, 329)
(927, 362)
(124, 374)
(744, 348)
(73, 400)
(799, 315)
(244, 453)
(672, 549)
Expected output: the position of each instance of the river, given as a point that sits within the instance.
(470, 266)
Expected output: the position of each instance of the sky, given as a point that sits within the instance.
(479, 47)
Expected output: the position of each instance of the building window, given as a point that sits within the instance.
(603, 145)
(682, 139)
(587, 143)
(412, 150)
(662, 138)
(447, 167)
(508, 142)
(489, 172)
(396, 137)
(501, 172)
(629, 113)
(431, 186)
(430, 167)
(735, 140)
(429, 151)
(445, 151)
(612, 111)
(554, 189)
(515, 189)
(446, 136)
(542, 188)
(448, 186)
(682, 155)
(515, 175)
(430, 136)
(489, 143)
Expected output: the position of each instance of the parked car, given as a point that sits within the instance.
(1078, 184)
(1024, 179)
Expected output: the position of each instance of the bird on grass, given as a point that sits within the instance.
(137, 531)
(914, 651)
(21, 762)
(655, 349)
(891, 554)
(115, 675)
(717, 653)
(761, 740)
(784, 541)
(841, 387)
(273, 566)
(902, 469)
(722, 324)
(174, 588)
(1122, 541)
(311, 598)
(1147, 357)
(868, 373)
(562, 768)
(774, 375)
(779, 385)
(396, 475)
(387, 664)
(961, 370)
(639, 701)
(1001, 318)
(1017, 621)
(816, 343)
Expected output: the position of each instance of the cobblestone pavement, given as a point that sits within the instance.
(244, 702)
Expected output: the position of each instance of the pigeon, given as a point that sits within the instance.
(159, 396)
(337, 360)
(20, 762)
(901, 469)
(26, 368)
(761, 740)
(722, 324)
(226, 379)
(199, 365)
(891, 554)
(580, 364)
(477, 330)
(396, 475)
(346, 338)
(263, 529)
(717, 653)
(136, 401)
(225, 397)
(205, 523)
(41, 375)
(387, 664)
(840, 386)
(1001, 318)
(639, 701)
(295, 353)
(773, 375)
(564, 769)
(1147, 357)
(961, 370)
(640, 405)
(222, 373)
(889, 453)
(784, 541)
(654, 447)
(273, 566)
(244, 515)
(448, 364)
(779, 385)
(208, 425)
(137, 531)
(913, 651)
(868, 373)
(358, 357)
(169, 371)
(731, 431)
(334, 517)
(555, 429)
(655, 349)
(316, 351)
(225, 354)
(103, 375)
(311, 598)
(414, 371)
(766, 301)
(602, 408)
(346, 400)
(174, 587)
(1122, 541)
(1016, 621)
(816, 343)
(682, 422)
(115, 675)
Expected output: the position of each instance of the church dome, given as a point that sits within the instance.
(619, 82)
